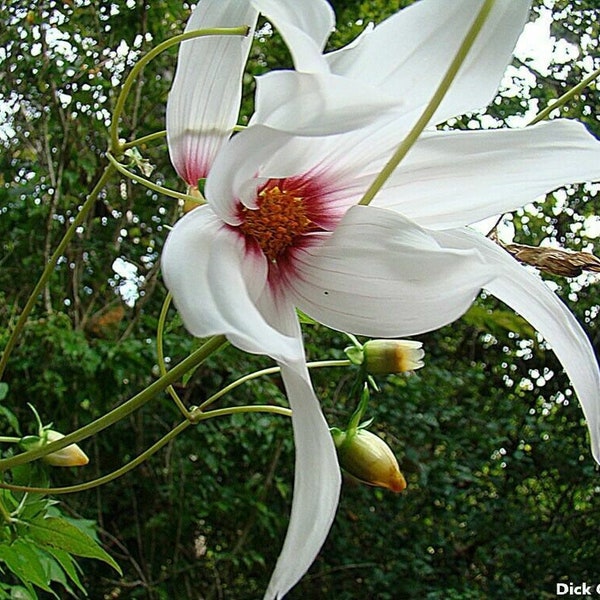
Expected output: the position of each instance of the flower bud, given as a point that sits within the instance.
(368, 458)
(382, 357)
(70, 456)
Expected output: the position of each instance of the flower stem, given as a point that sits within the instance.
(88, 485)
(147, 183)
(269, 371)
(115, 144)
(160, 355)
(432, 106)
(562, 100)
(49, 269)
(158, 135)
(212, 345)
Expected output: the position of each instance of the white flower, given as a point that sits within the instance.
(281, 228)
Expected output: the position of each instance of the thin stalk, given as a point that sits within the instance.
(269, 371)
(433, 105)
(115, 144)
(145, 139)
(49, 269)
(566, 97)
(160, 355)
(147, 183)
(122, 411)
(197, 415)
(88, 485)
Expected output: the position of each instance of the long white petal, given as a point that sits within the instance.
(318, 103)
(451, 179)
(533, 300)
(317, 483)
(216, 282)
(204, 101)
(408, 54)
(305, 27)
(381, 275)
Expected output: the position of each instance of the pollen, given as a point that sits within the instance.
(277, 222)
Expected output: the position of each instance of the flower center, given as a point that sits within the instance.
(279, 219)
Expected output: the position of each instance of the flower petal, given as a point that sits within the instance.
(317, 483)
(451, 179)
(216, 281)
(527, 294)
(204, 102)
(317, 103)
(383, 276)
(408, 54)
(305, 27)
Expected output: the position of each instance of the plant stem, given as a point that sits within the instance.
(269, 371)
(432, 106)
(160, 355)
(88, 485)
(147, 183)
(566, 97)
(49, 269)
(122, 411)
(115, 144)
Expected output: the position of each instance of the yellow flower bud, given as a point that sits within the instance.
(368, 458)
(382, 357)
(70, 456)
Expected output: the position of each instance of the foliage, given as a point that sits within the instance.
(502, 497)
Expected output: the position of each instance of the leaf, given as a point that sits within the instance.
(67, 563)
(22, 559)
(61, 534)
(3, 390)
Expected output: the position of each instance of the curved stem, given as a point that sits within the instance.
(197, 415)
(269, 371)
(161, 355)
(122, 411)
(145, 139)
(49, 269)
(88, 485)
(432, 106)
(115, 144)
(147, 183)
(566, 97)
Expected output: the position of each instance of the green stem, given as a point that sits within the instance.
(269, 371)
(4, 513)
(147, 183)
(161, 355)
(49, 269)
(145, 139)
(122, 411)
(433, 105)
(9, 439)
(566, 97)
(197, 415)
(115, 144)
(88, 485)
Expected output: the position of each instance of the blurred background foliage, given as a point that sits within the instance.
(503, 495)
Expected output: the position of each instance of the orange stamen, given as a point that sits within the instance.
(279, 219)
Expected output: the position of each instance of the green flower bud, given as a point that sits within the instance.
(368, 458)
(382, 357)
(71, 456)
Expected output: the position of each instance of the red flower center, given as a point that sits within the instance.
(279, 219)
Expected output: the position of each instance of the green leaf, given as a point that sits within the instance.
(69, 566)
(23, 560)
(61, 534)
(3, 390)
